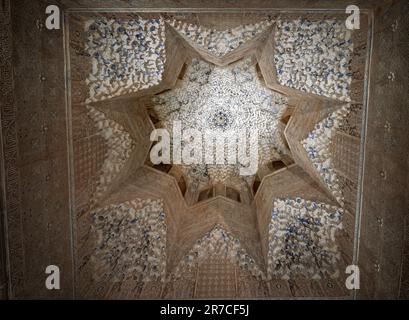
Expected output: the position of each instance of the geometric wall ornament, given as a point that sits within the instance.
(119, 144)
(345, 155)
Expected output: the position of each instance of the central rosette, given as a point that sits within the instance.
(220, 120)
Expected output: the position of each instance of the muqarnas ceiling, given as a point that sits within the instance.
(130, 241)
(129, 56)
(225, 102)
(220, 243)
(314, 57)
(317, 144)
(302, 239)
(219, 42)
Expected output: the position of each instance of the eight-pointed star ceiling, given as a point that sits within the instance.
(224, 102)
(212, 98)
(220, 100)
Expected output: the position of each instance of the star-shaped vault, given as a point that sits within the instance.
(224, 102)
(235, 89)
